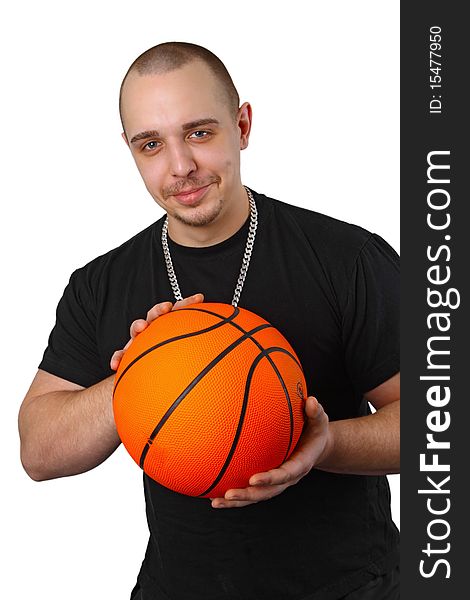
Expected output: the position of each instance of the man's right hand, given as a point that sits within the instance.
(140, 324)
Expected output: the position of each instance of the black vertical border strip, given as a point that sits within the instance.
(421, 133)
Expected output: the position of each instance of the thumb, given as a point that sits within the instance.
(313, 408)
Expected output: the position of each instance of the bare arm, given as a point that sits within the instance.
(65, 429)
(367, 445)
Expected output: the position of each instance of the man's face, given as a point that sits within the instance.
(185, 141)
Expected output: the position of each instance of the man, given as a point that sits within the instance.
(319, 526)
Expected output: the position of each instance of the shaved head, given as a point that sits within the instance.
(170, 56)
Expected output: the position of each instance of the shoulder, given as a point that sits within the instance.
(326, 235)
(334, 250)
(117, 263)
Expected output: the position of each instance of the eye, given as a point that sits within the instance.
(151, 145)
(200, 134)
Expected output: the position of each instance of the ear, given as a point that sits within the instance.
(124, 137)
(244, 117)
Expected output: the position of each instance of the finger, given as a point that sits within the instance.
(313, 409)
(226, 504)
(116, 359)
(194, 299)
(288, 473)
(317, 420)
(158, 310)
(137, 327)
(250, 495)
(254, 493)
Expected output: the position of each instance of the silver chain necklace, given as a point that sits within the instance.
(246, 257)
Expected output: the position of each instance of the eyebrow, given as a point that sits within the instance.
(144, 135)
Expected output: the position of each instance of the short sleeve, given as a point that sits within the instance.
(371, 336)
(72, 352)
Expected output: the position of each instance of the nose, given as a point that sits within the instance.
(181, 159)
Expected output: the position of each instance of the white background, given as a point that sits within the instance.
(323, 81)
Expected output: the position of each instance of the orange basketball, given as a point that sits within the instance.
(207, 396)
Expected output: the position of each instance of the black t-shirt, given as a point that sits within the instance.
(332, 289)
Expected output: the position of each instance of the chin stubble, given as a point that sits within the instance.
(199, 217)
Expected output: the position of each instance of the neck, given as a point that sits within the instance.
(231, 218)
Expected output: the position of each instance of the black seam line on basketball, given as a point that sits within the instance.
(289, 404)
(210, 312)
(254, 340)
(179, 337)
(236, 325)
(264, 354)
(193, 383)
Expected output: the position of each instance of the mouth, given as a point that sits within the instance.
(191, 196)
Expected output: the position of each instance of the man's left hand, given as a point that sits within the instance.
(313, 444)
